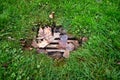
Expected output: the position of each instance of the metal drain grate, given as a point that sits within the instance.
(55, 42)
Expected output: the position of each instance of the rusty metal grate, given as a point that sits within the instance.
(55, 42)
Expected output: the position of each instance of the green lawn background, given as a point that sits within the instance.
(99, 20)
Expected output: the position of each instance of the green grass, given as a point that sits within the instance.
(99, 20)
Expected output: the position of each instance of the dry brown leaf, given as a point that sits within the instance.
(52, 15)
(84, 39)
(63, 41)
(48, 34)
(41, 33)
(10, 38)
(66, 54)
(34, 44)
(76, 43)
(70, 47)
(43, 44)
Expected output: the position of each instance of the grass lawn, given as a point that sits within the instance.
(97, 59)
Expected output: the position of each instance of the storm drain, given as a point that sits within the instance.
(54, 42)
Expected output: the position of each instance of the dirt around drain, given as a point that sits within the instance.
(53, 41)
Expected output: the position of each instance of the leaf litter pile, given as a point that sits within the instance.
(53, 41)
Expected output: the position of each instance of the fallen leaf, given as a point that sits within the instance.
(70, 47)
(52, 15)
(84, 39)
(63, 41)
(48, 34)
(10, 38)
(76, 43)
(66, 54)
(40, 33)
(43, 44)
(34, 44)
